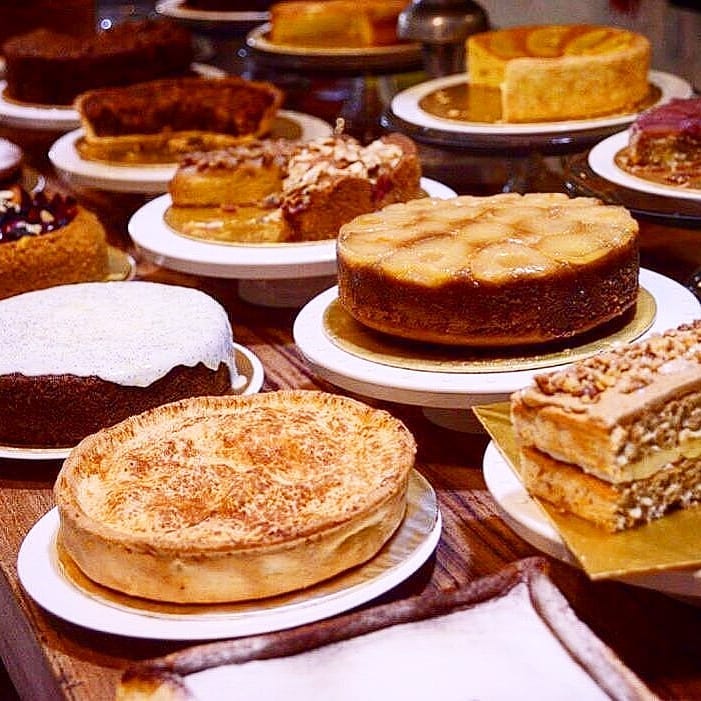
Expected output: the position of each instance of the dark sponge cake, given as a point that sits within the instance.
(77, 358)
(51, 68)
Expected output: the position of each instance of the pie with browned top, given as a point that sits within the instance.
(234, 498)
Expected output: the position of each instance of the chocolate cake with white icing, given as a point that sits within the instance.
(77, 358)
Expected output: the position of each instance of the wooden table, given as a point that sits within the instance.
(657, 636)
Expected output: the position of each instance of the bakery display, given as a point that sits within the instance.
(559, 72)
(76, 358)
(335, 23)
(615, 438)
(664, 144)
(279, 191)
(163, 119)
(47, 239)
(502, 270)
(234, 498)
(46, 67)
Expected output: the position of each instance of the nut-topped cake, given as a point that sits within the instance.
(277, 191)
(615, 438)
(556, 72)
(76, 358)
(502, 270)
(216, 499)
(47, 239)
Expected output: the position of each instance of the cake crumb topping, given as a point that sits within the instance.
(626, 368)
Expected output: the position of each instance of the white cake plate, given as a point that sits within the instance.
(446, 396)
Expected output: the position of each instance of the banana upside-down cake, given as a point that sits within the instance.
(616, 438)
(216, 499)
(503, 270)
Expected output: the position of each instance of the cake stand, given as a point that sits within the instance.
(357, 83)
(272, 275)
(448, 395)
(522, 146)
(596, 174)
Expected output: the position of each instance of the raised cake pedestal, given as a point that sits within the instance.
(356, 85)
(437, 114)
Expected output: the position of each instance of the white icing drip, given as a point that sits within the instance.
(130, 333)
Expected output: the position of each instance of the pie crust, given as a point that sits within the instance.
(217, 499)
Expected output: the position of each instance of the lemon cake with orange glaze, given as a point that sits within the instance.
(502, 270)
(559, 72)
(216, 499)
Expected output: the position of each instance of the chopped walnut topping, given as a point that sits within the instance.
(627, 368)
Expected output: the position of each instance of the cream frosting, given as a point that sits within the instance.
(129, 332)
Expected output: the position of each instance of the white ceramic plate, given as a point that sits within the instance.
(602, 161)
(405, 105)
(449, 390)
(43, 579)
(249, 366)
(146, 179)
(24, 116)
(528, 520)
(158, 242)
(258, 39)
(57, 118)
(176, 9)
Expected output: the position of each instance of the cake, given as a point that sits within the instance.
(278, 191)
(76, 358)
(47, 239)
(174, 116)
(238, 175)
(46, 67)
(228, 5)
(234, 498)
(560, 72)
(501, 270)
(335, 23)
(616, 438)
(664, 144)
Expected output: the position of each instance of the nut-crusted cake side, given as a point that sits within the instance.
(47, 67)
(555, 72)
(622, 427)
(47, 239)
(80, 357)
(502, 270)
(232, 498)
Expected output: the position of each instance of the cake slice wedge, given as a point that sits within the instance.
(616, 438)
